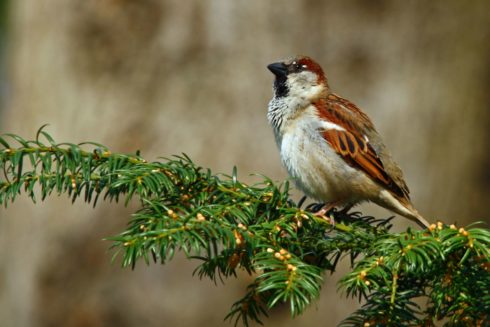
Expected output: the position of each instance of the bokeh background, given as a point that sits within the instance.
(168, 76)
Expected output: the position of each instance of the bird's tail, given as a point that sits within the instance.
(414, 215)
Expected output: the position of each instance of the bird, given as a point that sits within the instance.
(329, 146)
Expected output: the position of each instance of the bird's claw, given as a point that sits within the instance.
(326, 213)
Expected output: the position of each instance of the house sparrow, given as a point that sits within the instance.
(329, 146)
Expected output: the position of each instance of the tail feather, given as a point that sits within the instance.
(402, 207)
(416, 217)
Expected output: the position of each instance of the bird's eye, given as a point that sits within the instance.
(296, 66)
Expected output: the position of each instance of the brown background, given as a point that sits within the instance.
(168, 77)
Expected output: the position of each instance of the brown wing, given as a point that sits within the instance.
(352, 145)
(359, 153)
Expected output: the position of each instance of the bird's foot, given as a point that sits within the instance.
(326, 213)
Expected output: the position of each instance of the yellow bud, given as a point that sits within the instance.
(200, 217)
(453, 226)
(270, 250)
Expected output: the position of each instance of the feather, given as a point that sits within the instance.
(352, 143)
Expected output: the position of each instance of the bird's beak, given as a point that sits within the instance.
(279, 69)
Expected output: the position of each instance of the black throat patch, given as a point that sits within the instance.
(280, 86)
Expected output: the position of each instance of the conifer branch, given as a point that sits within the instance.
(227, 226)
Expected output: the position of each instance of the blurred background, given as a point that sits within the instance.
(168, 76)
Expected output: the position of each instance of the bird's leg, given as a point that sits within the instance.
(322, 213)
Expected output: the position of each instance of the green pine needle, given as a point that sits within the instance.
(226, 226)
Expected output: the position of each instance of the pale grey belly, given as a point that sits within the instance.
(321, 173)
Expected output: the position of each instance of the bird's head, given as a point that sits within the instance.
(300, 77)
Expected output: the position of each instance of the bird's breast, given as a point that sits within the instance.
(315, 166)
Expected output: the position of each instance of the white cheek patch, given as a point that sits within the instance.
(304, 85)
